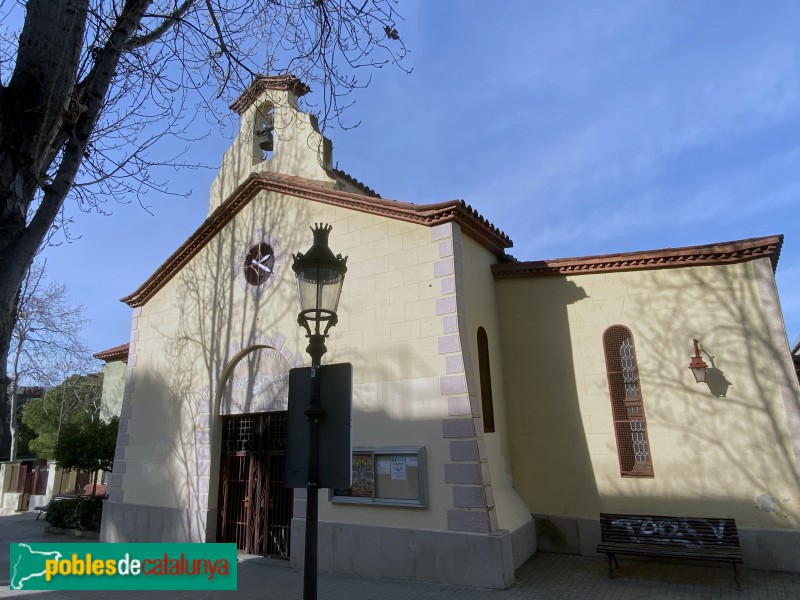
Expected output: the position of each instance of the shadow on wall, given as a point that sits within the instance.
(551, 459)
(717, 383)
(179, 464)
(217, 316)
(725, 439)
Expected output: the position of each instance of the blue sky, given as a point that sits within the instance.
(578, 128)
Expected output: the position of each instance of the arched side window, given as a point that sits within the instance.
(627, 405)
(486, 381)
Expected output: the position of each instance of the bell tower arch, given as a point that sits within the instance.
(274, 135)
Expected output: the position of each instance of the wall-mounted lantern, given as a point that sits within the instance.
(698, 365)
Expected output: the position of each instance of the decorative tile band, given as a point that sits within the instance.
(713, 254)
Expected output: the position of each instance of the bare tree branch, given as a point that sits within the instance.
(89, 89)
(46, 341)
(162, 28)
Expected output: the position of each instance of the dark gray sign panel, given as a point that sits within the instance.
(335, 445)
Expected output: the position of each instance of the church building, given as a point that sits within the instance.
(498, 405)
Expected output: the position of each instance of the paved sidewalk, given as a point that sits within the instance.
(543, 577)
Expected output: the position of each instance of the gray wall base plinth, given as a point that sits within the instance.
(523, 543)
(567, 535)
(478, 560)
(764, 549)
(124, 522)
(771, 549)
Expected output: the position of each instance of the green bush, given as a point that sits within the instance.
(82, 513)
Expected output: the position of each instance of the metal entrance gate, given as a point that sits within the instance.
(255, 509)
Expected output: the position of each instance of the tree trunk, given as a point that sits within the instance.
(46, 119)
(13, 403)
(32, 108)
(8, 314)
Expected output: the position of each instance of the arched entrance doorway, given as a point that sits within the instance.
(255, 509)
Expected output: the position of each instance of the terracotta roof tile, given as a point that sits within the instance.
(472, 223)
(711, 254)
(268, 82)
(346, 177)
(116, 353)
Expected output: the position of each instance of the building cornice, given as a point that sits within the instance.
(458, 211)
(690, 256)
(283, 83)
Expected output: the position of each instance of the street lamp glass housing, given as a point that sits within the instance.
(320, 275)
(698, 365)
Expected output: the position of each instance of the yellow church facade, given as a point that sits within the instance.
(485, 408)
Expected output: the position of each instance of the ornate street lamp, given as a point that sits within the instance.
(320, 276)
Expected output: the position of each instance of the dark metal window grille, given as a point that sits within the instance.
(255, 506)
(238, 436)
(627, 404)
(255, 433)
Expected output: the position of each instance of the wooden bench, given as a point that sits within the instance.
(55, 498)
(695, 538)
(86, 491)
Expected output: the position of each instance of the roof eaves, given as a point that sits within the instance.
(711, 254)
(347, 178)
(429, 215)
(116, 353)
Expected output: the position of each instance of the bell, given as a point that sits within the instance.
(267, 143)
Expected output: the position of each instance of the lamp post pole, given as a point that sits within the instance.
(315, 414)
(320, 275)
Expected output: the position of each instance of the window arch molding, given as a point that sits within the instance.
(627, 403)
